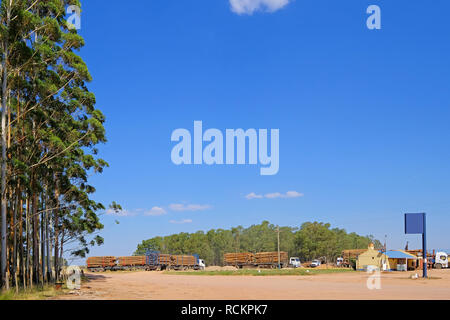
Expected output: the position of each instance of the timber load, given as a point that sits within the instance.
(131, 261)
(271, 258)
(164, 259)
(238, 259)
(182, 261)
(260, 259)
(101, 263)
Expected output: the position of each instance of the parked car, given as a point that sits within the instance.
(315, 263)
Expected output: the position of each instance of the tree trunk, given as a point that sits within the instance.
(14, 245)
(62, 249)
(21, 255)
(42, 265)
(48, 247)
(56, 231)
(27, 227)
(42, 249)
(4, 279)
(35, 218)
(20, 212)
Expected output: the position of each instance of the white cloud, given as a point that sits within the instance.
(250, 6)
(189, 207)
(293, 194)
(287, 195)
(155, 211)
(181, 221)
(253, 196)
(275, 195)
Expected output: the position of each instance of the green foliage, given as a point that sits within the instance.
(53, 128)
(312, 240)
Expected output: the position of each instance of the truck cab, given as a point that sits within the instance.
(294, 262)
(201, 264)
(340, 262)
(441, 260)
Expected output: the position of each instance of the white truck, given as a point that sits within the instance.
(201, 264)
(440, 260)
(294, 262)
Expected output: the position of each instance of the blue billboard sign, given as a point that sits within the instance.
(414, 223)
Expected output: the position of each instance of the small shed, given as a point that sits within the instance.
(400, 260)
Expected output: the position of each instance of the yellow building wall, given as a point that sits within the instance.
(394, 262)
(412, 264)
(369, 258)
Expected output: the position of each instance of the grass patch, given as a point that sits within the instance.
(36, 293)
(260, 272)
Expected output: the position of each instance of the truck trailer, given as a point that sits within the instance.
(161, 261)
(260, 259)
(96, 264)
(132, 262)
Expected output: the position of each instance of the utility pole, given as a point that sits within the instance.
(385, 252)
(424, 246)
(278, 238)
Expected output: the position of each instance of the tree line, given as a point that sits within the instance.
(312, 240)
(50, 128)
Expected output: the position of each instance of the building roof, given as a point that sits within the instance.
(393, 254)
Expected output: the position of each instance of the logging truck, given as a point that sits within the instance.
(260, 259)
(436, 260)
(151, 261)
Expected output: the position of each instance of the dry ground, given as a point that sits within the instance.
(349, 285)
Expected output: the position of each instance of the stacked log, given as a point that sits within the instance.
(240, 258)
(131, 261)
(101, 262)
(262, 258)
(182, 260)
(164, 259)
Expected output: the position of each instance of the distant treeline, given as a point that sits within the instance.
(312, 240)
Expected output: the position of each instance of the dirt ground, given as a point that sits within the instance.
(348, 285)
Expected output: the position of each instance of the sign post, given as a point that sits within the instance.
(415, 223)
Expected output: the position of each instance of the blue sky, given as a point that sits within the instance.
(363, 114)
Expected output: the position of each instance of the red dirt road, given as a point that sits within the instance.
(350, 285)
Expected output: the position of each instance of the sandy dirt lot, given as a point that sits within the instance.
(351, 285)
